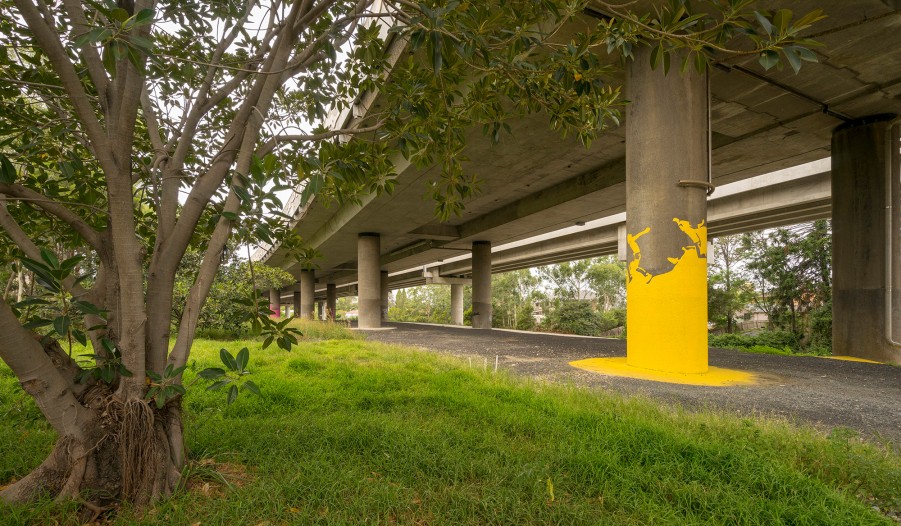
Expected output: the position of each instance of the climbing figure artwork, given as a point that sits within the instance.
(698, 235)
(634, 265)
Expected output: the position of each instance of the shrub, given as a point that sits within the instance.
(575, 317)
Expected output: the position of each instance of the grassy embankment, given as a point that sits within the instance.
(350, 432)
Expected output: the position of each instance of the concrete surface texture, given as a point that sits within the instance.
(826, 393)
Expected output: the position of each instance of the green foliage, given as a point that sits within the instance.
(729, 290)
(230, 307)
(166, 386)
(350, 432)
(772, 342)
(791, 269)
(524, 318)
(318, 330)
(57, 306)
(233, 376)
(575, 317)
(512, 294)
(279, 332)
(106, 367)
(425, 304)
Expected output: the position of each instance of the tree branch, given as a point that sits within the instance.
(91, 236)
(273, 142)
(41, 379)
(49, 41)
(91, 57)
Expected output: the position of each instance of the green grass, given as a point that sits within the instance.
(353, 432)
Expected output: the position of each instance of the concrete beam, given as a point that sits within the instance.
(441, 280)
(439, 232)
(579, 186)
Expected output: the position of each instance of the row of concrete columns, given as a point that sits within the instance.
(373, 285)
(305, 304)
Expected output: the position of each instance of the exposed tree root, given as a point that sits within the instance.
(130, 457)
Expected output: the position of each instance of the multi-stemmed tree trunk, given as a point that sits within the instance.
(133, 131)
(112, 439)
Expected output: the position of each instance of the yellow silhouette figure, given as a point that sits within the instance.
(698, 236)
(635, 264)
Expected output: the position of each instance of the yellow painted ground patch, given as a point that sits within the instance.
(714, 376)
(850, 359)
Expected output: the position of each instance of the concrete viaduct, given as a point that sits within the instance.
(778, 148)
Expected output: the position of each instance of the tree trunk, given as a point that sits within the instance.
(129, 456)
(109, 450)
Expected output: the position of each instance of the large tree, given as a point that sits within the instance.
(139, 129)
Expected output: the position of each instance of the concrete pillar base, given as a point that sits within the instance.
(275, 303)
(307, 292)
(456, 306)
(369, 301)
(331, 301)
(481, 285)
(866, 286)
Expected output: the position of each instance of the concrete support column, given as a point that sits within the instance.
(456, 306)
(866, 302)
(275, 303)
(369, 281)
(385, 294)
(481, 285)
(320, 310)
(307, 293)
(667, 168)
(331, 301)
(297, 300)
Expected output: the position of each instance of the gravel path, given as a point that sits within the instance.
(827, 393)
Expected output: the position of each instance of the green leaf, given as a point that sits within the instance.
(764, 23)
(657, 55)
(50, 258)
(7, 170)
(782, 20)
(792, 57)
(35, 324)
(252, 387)
(61, 325)
(80, 337)
(437, 46)
(118, 14)
(242, 359)
(143, 17)
(232, 394)
(228, 359)
(211, 372)
(216, 385)
(768, 59)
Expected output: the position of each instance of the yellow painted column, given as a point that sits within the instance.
(667, 175)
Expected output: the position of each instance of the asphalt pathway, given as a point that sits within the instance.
(865, 397)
